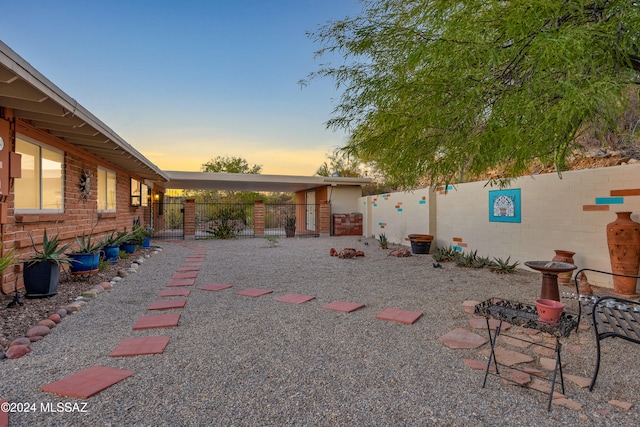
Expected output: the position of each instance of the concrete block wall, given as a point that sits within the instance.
(568, 212)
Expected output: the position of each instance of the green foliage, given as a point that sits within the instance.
(7, 259)
(445, 89)
(382, 241)
(230, 165)
(115, 238)
(498, 265)
(50, 250)
(86, 244)
(290, 221)
(445, 254)
(124, 255)
(272, 240)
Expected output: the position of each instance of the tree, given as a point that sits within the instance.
(341, 164)
(444, 88)
(230, 165)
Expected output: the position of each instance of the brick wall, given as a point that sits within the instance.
(80, 214)
(347, 224)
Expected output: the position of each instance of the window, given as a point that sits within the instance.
(139, 193)
(106, 190)
(41, 186)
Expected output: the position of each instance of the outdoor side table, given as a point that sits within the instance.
(525, 315)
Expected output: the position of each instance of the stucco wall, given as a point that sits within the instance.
(568, 212)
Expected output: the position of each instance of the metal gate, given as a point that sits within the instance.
(228, 220)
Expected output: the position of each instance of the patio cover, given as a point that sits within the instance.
(254, 182)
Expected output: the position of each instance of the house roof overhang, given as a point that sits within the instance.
(36, 100)
(254, 182)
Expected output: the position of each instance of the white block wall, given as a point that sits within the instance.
(569, 212)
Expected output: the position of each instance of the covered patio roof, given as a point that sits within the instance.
(254, 182)
(36, 100)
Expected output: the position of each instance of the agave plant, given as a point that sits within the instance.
(50, 250)
(87, 245)
(445, 254)
(7, 259)
(382, 239)
(498, 265)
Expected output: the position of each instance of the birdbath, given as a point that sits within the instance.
(550, 271)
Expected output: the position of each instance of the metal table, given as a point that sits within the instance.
(525, 315)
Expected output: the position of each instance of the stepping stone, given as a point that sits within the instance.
(87, 383)
(194, 259)
(161, 321)
(168, 304)
(512, 376)
(567, 403)
(191, 265)
(215, 287)
(469, 306)
(253, 292)
(188, 275)
(462, 338)
(510, 357)
(579, 381)
(396, 315)
(545, 387)
(174, 292)
(295, 298)
(479, 365)
(189, 268)
(4, 416)
(346, 307)
(140, 346)
(183, 282)
(481, 323)
(620, 404)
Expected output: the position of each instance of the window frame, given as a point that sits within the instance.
(107, 172)
(42, 146)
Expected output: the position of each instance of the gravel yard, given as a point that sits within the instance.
(242, 361)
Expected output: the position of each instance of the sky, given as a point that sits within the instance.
(186, 81)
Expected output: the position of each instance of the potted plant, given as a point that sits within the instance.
(129, 241)
(148, 232)
(85, 259)
(290, 226)
(111, 245)
(42, 269)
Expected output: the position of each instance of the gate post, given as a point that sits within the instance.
(324, 218)
(258, 218)
(189, 219)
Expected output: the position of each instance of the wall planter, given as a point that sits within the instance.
(420, 243)
(623, 239)
(111, 253)
(84, 263)
(41, 279)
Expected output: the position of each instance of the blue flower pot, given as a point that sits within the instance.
(128, 247)
(84, 263)
(111, 253)
(147, 242)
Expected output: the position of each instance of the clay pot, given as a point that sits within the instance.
(564, 256)
(549, 311)
(623, 239)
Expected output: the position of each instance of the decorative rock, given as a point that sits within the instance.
(35, 338)
(106, 286)
(116, 279)
(62, 312)
(140, 260)
(55, 317)
(99, 289)
(132, 270)
(48, 323)
(17, 351)
(90, 294)
(74, 307)
(38, 331)
(20, 341)
(69, 311)
(2, 355)
(122, 273)
(400, 253)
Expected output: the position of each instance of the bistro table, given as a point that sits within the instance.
(525, 315)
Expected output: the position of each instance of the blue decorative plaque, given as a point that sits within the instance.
(504, 205)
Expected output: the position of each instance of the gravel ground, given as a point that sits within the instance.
(241, 361)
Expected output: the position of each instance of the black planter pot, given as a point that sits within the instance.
(290, 230)
(41, 279)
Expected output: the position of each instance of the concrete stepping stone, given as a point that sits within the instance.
(140, 346)
(346, 307)
(88, 382)
(215, 287)
(160, 321)
(462, 338)
(168, 304)
(295, 298)
(186, 275)
(188, 268)
(181, 282)
(253, 292)
(397, 315)
(174, 292)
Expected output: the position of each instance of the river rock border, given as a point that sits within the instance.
(21, 346)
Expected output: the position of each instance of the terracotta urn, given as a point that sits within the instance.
(623, 239)
(564, 256)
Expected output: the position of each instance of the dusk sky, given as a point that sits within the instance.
(186, 81)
